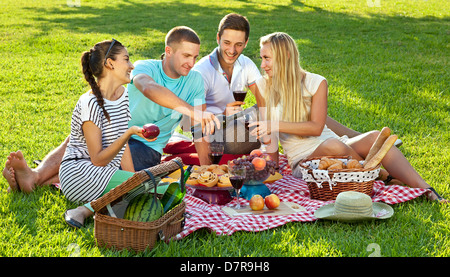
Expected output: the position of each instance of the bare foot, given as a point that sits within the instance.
(8, 173)
(24, 176)
(434, 196)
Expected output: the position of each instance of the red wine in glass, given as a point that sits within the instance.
(247, 120)
(215, 157)
(239, 95)
(237, 181)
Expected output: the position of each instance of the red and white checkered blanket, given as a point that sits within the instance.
(289, 189)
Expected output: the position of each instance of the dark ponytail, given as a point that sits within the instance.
(92, 63)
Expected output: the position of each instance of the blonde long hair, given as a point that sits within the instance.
(286, 85)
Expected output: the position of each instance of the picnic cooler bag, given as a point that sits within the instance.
(111, 231)
(325, 185)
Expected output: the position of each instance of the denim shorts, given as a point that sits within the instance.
(142, 155)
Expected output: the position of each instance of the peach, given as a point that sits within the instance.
(259, 163)
(256, 152)
(272, 201)
(257, 202)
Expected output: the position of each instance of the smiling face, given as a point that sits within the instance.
(231, 45)
(266, 59)
(122, 66)
(180, 58)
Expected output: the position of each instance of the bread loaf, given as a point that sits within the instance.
(376, 159)
(382, 136)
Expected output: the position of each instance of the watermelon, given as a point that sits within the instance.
(144, 208)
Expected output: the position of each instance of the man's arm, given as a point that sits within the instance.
(201, 145)
(166, 98)
(161, 95)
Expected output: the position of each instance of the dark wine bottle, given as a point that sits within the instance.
(196, 130)
(176, 191)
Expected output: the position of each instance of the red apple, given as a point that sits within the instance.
(257, 202)
(272, 201)
(151, 131)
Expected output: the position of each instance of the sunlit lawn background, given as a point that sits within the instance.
(386, 62)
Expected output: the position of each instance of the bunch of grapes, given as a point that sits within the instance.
(251, 173)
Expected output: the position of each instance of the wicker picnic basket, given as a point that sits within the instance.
(325, 185)
(119, 233)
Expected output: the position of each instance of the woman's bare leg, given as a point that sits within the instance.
(334, 147)
(394, 162)
(45, 173)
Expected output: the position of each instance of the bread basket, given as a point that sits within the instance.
(325, 185)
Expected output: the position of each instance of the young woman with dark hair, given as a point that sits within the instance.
(97, 158)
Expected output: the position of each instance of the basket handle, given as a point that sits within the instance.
(177, 221)
(183, 186)
(134, 181)
(155, 185)
(161, 235)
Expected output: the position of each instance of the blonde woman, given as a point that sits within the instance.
(296, 109)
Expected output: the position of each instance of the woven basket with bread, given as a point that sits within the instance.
(327, 176)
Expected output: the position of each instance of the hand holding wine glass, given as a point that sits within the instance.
(239, 90)
(233, 107)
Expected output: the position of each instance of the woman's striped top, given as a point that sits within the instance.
(80, 179)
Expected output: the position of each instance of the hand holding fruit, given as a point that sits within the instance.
(149, 131)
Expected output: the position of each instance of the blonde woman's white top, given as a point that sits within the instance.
(296, 147)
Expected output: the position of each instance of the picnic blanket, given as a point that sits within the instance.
(289, 189)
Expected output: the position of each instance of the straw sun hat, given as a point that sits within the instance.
(353, 206)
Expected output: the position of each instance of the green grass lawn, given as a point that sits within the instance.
(386, 65)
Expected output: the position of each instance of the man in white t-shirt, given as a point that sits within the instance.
(226, 69)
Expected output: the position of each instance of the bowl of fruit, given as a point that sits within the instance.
(258, 167)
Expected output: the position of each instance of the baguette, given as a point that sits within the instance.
(382, 152)
(382, 136)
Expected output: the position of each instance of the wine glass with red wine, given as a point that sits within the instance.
(237, 178)
(239, 91)
(215, 151)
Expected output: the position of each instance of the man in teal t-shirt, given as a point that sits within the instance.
(189, 88)
(162, 91)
